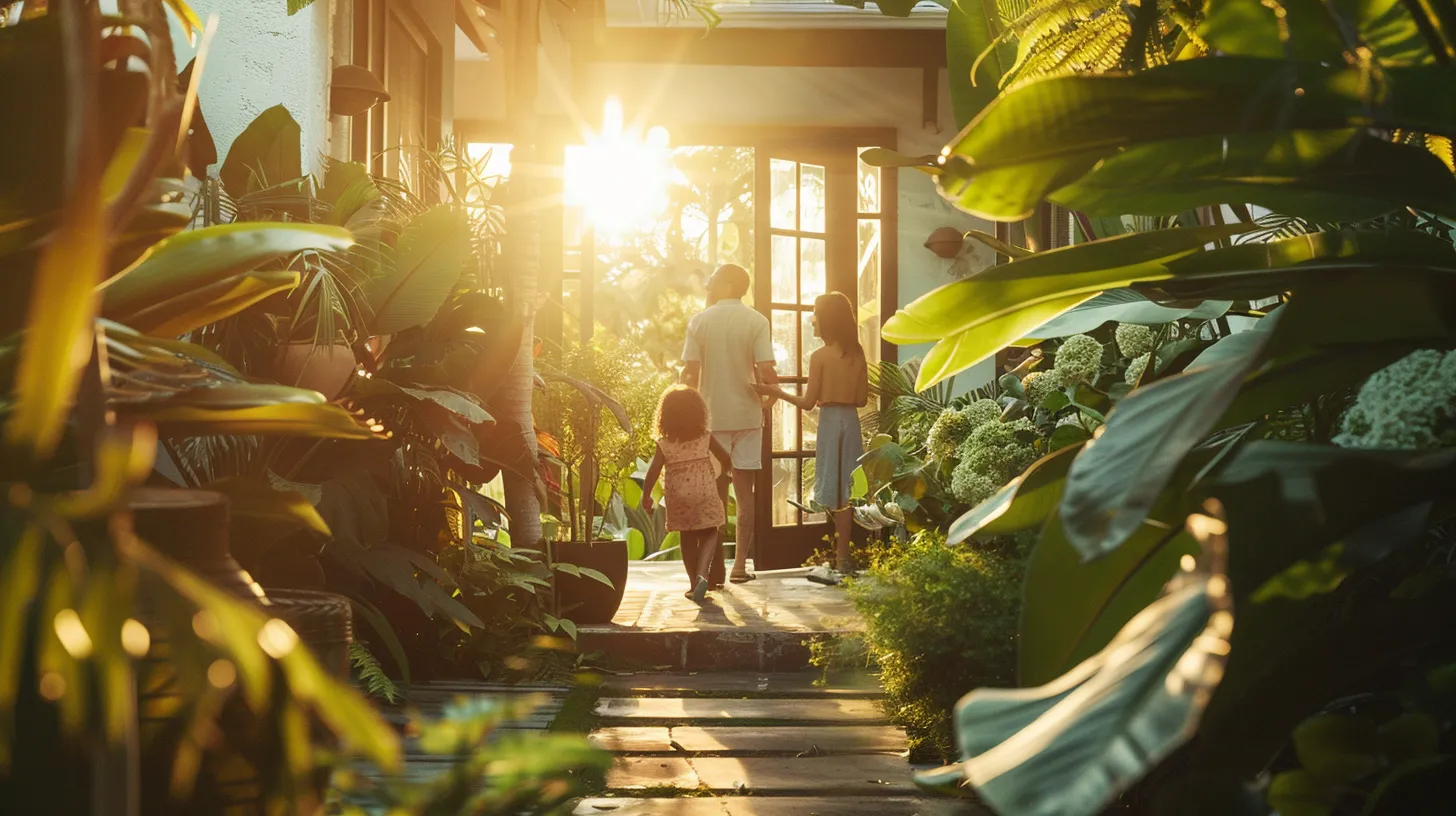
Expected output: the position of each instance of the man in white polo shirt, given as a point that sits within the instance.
(728, 348)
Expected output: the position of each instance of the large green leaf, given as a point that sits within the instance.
(1117, 478)
(211, 303)
(1124, 306)
(1070, 609)
(268, 152)
(1083, 269)
(193, 260)
(428, 261)
(1070, 746)
(247, 408)
(1329, 175)
(978, 316)
(1046, 134)
(1024, 502)
(456, 402)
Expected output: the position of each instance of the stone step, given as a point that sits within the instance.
(705, 650)
(727, 740)
(778, 806)
(675, 710)
(872, 775)
(741, 684)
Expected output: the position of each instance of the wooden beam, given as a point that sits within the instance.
(781, 48)
(562, 130)
(481, 23)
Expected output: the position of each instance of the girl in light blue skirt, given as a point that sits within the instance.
(838, 386)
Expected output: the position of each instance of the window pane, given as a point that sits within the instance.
(781, 331)
(783, 194)
(785, 268)
(811, 428)
(785, 487)
(784, 434)
(811, 269)
(811, 197)
(809, 341)
(869, 187)
(869, 288)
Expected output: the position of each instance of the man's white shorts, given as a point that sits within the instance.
(745, 447)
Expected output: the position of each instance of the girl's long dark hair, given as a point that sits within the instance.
(837, 323)
(681, 415)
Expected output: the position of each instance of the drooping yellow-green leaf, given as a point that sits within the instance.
(195, 259)
(254, 498)
(211, 303)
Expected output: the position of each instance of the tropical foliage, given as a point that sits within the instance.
(99, 279)
(1164, 692)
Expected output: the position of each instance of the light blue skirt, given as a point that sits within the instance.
(838, 448)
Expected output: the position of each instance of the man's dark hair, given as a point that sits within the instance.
(737, 278)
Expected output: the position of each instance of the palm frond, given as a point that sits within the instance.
(371, 675)
(1057, 37)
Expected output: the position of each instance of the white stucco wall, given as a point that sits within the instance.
(824, 97)
(259, 58)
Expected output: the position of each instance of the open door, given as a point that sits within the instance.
(806, 245)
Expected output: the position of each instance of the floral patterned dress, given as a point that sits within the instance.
(690, 490)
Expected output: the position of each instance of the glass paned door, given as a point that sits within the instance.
(809, 234)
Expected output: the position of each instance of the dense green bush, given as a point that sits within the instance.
(940, 621)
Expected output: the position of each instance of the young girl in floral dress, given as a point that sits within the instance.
(691, 491)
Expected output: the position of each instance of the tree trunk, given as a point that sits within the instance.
(522, 251)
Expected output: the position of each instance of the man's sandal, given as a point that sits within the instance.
(742, 579)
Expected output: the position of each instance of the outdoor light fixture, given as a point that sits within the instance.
(945, 242)
(619, 178)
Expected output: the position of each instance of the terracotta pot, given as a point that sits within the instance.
(325, 369)
(584, 600)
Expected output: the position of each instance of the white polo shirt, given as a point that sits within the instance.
(728, 338)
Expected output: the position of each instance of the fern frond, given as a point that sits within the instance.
(371, 675)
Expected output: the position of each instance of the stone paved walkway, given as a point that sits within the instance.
(729, 721)
(753, 744)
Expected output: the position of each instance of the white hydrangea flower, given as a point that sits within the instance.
(1038, 384)
(1136, 368)
(1079, 358)
(1409, 404)
(989, 458)
(1133, 340)
(953, 427)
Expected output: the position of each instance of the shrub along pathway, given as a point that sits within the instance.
(739, 740)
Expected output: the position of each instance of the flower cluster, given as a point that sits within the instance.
(952, 428)
(1136, 368)
(1038, 384)
(1410, 404)
(991, 456)
(1133, 340)
(1079, 358)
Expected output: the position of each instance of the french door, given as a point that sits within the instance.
(817, 231)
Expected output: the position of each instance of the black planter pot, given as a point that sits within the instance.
(585, 600)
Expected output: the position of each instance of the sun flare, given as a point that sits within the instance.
(619, 178)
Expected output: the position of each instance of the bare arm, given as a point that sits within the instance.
(810, 399)
(650, 480)
(692, 372)
(721, 454)
(862, 389)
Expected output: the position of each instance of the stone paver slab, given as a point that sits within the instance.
(682, 709)
(628, 773)
(747, 683)
(778, 806)
(809, 776)
(791, 740)
(783, 740)
(632, 739)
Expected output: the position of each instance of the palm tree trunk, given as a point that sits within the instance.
(522, 255)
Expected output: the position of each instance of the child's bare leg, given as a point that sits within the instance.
(697, 546)
(707, 550)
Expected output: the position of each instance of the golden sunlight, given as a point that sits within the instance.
(619, 179)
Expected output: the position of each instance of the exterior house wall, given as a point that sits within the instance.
(259, 58)
(743, 95)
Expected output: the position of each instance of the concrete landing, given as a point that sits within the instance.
(760, 626)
